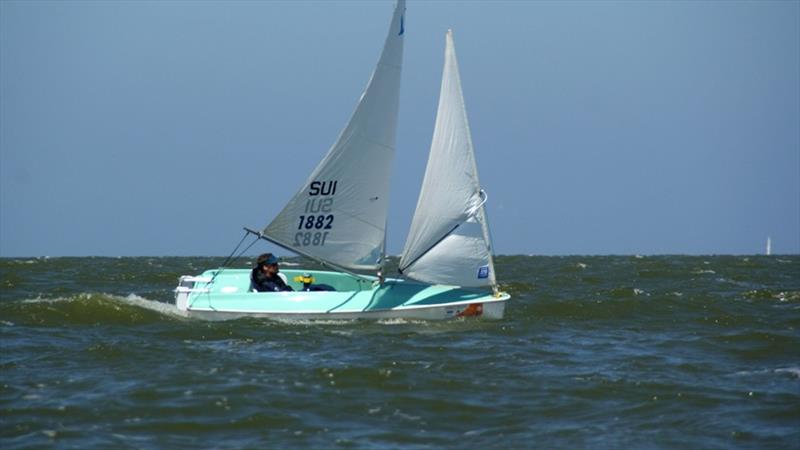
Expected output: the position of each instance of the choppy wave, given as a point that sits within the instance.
(87, 309)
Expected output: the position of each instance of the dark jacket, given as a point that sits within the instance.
(263, 283)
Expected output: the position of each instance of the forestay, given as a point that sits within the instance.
(339, 214)
(448, 242)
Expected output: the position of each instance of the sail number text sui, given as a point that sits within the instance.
(316, 217)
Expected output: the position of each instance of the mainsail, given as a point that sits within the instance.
(339, 214)
(448, 242)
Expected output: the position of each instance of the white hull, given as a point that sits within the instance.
(229, 297)
(493, 310)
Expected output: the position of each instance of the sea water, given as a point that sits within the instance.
(594, 352)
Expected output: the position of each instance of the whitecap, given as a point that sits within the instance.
(311, 322)
(402, 415)
(794, 371)
(397, 321)
(342, 332)
(787, 296)
(401, 321)
(131, 299)
(46, 300)
(167, 309)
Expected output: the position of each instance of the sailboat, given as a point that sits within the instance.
(338, 218)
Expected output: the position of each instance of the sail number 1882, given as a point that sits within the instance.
(313, 222)
(304, 239)
(318, 222)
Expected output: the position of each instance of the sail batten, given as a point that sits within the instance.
(448, 242)
(339, 214)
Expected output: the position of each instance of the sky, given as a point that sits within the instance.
(163, 128)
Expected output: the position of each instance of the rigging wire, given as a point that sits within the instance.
(230, 259)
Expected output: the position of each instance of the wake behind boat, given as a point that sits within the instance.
(338, 218)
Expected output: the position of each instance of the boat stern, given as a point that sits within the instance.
(496, 309)
(186, 286)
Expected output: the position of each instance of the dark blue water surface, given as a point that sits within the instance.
(594, 352)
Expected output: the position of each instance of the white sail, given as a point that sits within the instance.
(448, 242)
(339, 214)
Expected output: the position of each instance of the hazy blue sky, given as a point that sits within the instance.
(162, 128)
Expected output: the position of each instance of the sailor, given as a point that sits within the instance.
(265, 276)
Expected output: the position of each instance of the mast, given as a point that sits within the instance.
(484, 220)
